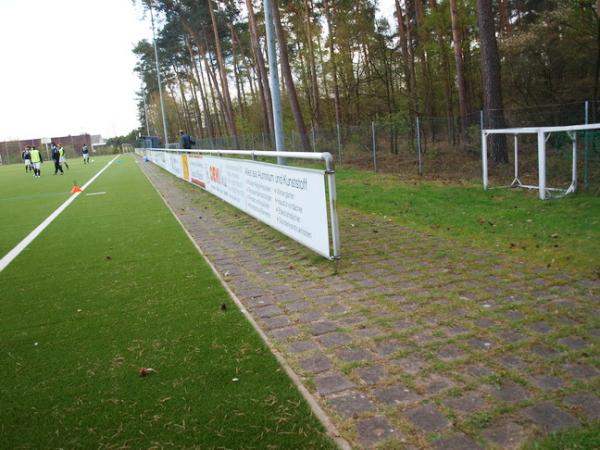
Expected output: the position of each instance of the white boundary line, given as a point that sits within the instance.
(329, 426)
(11, 255)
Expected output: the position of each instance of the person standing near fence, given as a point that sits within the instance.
(36, 160)
(63, 156)
(85, 152)
(56, 159)
(26, 155)
(185, 141)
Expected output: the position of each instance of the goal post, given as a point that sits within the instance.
(543, 134)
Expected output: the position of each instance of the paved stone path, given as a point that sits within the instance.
(414, 341)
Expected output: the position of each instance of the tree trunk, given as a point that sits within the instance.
(187, 122)
(492, 88)
(197, 39)
(193, 81)
(304, 78)
(423, 37)
(445, 63)
(212, 88)
(229, 114)
(408, 69)
(205, 104)
(176, 107)
(198, 112)
(314, 83)
(289, 81)
(329, 14)
(251, 74)
(405, 47)
(505, 26)
(234, 46)
(263, 78)
(324, 82)
(460, 70)
(212, 69)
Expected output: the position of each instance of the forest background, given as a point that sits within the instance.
(352, 82)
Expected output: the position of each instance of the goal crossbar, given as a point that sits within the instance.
(543, 133)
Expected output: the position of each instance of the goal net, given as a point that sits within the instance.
(544, 139)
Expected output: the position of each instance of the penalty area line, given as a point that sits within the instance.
(11, 255)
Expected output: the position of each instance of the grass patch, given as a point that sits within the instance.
(112, 285)
(586, 437)
(564, 233)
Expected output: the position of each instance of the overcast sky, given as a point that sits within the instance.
(66, 66)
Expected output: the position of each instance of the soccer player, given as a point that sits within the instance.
(36, 160)
(26, 155)
(85, 153)
(63, 158)
(56, 159)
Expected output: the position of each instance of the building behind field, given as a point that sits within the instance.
(10, 151)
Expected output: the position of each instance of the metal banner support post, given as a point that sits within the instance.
(541, 138)
(573, 187)
(420, 160)
(516, 181)
(484, 161)
(339, 143)
(586, 162)
(374, 146)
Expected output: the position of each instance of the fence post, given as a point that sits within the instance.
(586, 148)
(419, 147)
(374, 146)
(339, 143)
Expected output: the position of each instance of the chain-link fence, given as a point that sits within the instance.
(441, 148)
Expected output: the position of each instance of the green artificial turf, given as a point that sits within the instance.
(113, 285)
(26, 201)
(563, 233)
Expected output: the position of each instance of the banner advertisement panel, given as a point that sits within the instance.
(174, 164)
(292, 200)
(186, 167)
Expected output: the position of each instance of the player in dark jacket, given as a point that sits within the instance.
(56, 159)
(26, 156)
(85, 152)
(185, 140)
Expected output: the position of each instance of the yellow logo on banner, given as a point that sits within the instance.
(186, 167)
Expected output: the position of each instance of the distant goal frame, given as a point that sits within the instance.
(543, 134)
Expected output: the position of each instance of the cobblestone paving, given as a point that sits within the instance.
(413, 341)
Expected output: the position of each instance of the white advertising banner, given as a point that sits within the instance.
(292, 200)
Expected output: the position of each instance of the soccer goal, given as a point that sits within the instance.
(543, 134)
(126, 148)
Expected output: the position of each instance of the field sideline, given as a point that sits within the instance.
(112, 285)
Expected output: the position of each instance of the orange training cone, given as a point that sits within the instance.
(75, 189)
